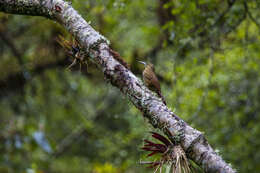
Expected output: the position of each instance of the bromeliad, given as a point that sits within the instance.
(171, 154)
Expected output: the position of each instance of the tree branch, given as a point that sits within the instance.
(5, 37)
(160, 116)
(27, 7)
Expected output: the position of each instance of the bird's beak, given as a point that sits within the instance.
(142, 62)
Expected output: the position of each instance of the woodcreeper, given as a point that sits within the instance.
(151, 81)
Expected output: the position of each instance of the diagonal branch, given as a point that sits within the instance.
(5, 37)
(160, 116)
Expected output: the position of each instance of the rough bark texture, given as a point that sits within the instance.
(97, 47)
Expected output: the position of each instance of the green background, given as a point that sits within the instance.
(207, 57)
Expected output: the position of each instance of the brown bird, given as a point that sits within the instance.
(150, 79)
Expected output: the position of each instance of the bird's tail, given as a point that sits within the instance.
(161, 96)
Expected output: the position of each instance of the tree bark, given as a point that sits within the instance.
(152, 107)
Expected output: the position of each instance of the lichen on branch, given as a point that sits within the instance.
(97, 47)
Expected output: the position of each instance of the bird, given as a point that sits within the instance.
(150, 79)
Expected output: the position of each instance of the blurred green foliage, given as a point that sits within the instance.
(207, 56)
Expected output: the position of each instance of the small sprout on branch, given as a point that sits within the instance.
(74, 50)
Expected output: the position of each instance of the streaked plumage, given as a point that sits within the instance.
(151, 80)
